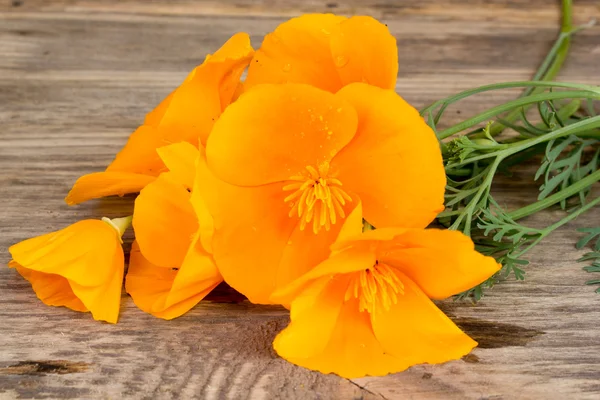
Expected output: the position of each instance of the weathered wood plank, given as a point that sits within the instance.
(76, 77)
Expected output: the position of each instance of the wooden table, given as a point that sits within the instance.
(76, 77)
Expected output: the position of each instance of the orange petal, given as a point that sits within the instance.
(415, 331)
(327, 52)
(394, 163)
(274, 132)
(206, 223)
(139, 154)
(314, 315)
(51, 289)
(89, 255)
(200, 100)
(167, 293)
(180, 159)
(298, 51)
(351, 349)
(363, 50)
(305, 249)
(102, 184)
(154, 117)
(188, 114)
(251, 230)
(342, 262)
(441, 262)
(164, 221)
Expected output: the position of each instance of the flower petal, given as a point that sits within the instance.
(164, 221)
(305, 249)
(89, 255)
(206, 223)
(139, 153)
(363, 50)
(342, 262)
(188, 114)
(168, 293)
(257, 246)
(352, 351)
(442, 262)
(274, 132)
(394, 163)
(298, 51)
(102, 184)
(51, 289)
(314, 314)
(252, 228)
(180, 159)
(415, 331)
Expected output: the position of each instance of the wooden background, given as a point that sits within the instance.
(76, 77)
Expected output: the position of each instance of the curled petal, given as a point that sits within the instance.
(102, 184)
(188, 114)
(51, 289)
(88, 254)
(169, 293)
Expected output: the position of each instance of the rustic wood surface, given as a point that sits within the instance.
(76, 77)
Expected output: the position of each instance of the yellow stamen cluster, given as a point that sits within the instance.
(376, 288)
(317, 198)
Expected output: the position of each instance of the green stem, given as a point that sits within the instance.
(515, 105)
(556, 197)
(553, 227)
(583, 125)
(507, 85)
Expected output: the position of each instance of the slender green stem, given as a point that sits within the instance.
(514, 104)
(553, 227)
(556, 197)
(507, 85)
(583, 125)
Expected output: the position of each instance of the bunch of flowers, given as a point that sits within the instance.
(275, 185)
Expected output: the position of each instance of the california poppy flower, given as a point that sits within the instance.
(285, 164)
(366, 310)
(79, 267)
(326, 51)
(169, 269)
(187, 114)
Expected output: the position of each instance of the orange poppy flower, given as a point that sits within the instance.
(187, 114)
(328, 52)
(285, 164)
(79, 267)
(169, 269)
(366, 310)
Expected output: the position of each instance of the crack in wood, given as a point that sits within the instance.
(44, 367)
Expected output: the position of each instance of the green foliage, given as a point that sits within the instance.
(592, 238)
(555, 119)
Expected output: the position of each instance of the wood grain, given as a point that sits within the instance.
(76, 77)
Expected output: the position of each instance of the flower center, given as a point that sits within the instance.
(317, 198)
(376, 288)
